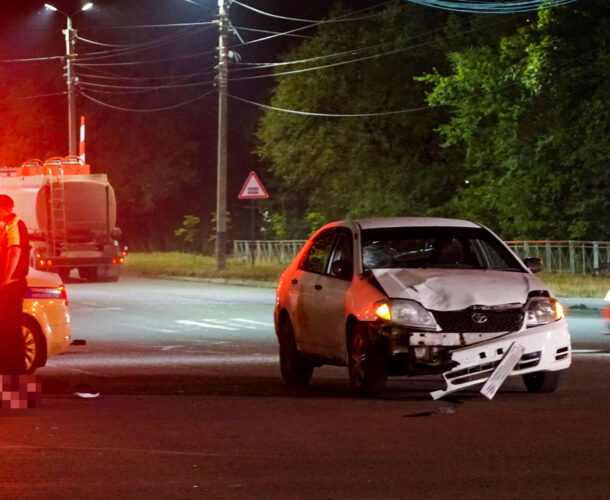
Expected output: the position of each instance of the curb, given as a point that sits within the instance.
(219, 281)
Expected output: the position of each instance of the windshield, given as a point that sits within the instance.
(435, 247)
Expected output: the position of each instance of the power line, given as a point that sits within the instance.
(140, 110)
(359, 59)
(268, 32)
(275, 16)
(343, 18)
(333, 115)
(33, 59)
(139, 87)
(482, 7)
(171, 38)
(145, 26)
(150, 61)
(136, 78)
(33, 96)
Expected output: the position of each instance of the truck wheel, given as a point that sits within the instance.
(367, 365)
(296, 371)
(541, 381)
(108, 273)
(35, 346)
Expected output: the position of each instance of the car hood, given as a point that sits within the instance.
(454, 289)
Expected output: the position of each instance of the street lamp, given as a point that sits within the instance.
(70, 34)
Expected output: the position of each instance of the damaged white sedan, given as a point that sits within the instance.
(413, 296)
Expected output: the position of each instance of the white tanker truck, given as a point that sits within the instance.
(70, 215)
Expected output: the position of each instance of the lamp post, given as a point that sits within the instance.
(70, 34)
(221, 194)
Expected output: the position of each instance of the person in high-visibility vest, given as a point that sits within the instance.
(14, 266)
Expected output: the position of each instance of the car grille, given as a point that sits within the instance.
(484, 370)
(504, 320)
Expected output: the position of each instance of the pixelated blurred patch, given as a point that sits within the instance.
(19, 392)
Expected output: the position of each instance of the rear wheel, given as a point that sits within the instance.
(367, 362)
(34, 344)
(541, 381)
(296, 371)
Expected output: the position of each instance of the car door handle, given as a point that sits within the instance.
(294, 281)
(318, 287)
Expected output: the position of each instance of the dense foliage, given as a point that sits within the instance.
(516, 135)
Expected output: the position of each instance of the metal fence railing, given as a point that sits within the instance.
(267, 250)
(575, 257)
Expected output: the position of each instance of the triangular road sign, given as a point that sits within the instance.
(253, 188)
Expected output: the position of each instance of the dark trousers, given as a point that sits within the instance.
(12, 354)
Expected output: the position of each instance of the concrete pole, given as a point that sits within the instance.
(221, 192)
(69, 33)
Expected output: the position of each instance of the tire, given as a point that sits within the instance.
(108, 273)
(296, 371)
(34, 343)
(367, 362)
(100, 274)
(541, 381)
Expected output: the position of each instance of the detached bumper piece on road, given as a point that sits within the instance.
(545, 350)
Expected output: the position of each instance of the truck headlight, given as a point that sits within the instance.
(407, 313)
(542, 310)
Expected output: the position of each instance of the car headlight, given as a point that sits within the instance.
(406, 312)
(542, 310)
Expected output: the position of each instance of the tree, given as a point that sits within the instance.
(33, 118)
(362, 166)
(530, 117)
(156, 183)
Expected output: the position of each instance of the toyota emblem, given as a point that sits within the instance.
(479, 318)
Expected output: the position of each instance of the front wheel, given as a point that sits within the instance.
(34, 345)
(296, 371)
(367, 362)
(541, 381)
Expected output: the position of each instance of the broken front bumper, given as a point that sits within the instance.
(545, 348)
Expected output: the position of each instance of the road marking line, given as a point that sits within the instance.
(229, 323)
(170, 347)
(591, 352)
(203, 324)
(241, 320)
(141, 327)
(99, 308)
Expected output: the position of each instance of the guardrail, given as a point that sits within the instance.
(575, 257)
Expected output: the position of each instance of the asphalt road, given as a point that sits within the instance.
(191, 405)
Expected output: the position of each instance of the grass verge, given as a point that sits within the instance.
(200, 266)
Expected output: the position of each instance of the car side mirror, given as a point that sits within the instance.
(534, 264)
(341, 269)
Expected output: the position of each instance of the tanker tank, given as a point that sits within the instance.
(71, 219)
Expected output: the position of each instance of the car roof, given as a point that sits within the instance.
(383, 222)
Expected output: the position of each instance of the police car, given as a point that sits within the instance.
(46, 321)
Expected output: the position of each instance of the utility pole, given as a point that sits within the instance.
(221, 190)
(69, 33)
